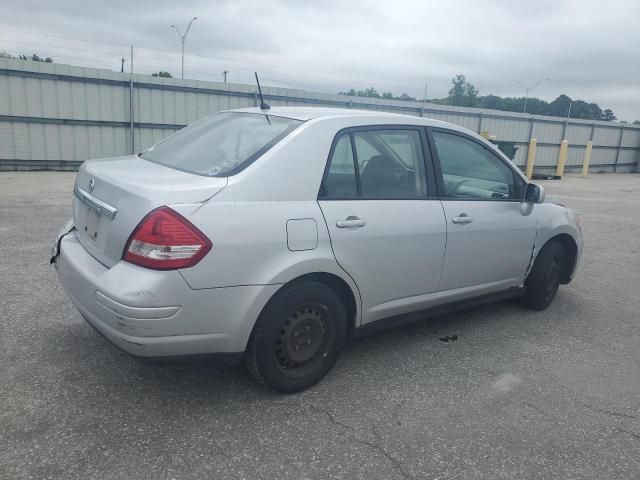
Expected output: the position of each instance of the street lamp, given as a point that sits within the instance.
(183, 38)
(528, 89)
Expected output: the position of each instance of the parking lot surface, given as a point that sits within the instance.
(518, 394)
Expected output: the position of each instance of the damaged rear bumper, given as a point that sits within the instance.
(151, 313)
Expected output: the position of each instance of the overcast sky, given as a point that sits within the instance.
(589, 50)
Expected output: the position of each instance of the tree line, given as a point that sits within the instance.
(33, 58)
(37, 58)
(461, 94)
(465, 94)
(373, 93)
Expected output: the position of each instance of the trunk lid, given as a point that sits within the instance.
(112, 195)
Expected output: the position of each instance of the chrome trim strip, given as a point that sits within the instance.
(95, 204)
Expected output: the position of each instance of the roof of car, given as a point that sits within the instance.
(307, 113)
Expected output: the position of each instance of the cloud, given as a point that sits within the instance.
(587, 48)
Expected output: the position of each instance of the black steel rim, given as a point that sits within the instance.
(301, 343)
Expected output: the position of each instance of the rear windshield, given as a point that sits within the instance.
(222, 144)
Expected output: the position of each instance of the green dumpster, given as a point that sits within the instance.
(508, 148)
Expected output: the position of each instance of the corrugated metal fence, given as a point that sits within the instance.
(55, 116)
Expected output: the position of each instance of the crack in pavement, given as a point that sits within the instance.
(376, 445)
(606, 412)
(538, 409)
(396, 411)
(634, 435)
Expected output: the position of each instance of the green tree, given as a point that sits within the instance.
(162, 74)
(462, 93)
(560, 106)
(36, 58)
(608, 115)
(369, 92)
(405, 97)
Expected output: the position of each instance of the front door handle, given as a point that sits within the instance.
(351, 222)
(463, 218)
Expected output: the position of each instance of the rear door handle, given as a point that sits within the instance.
(463, 218)
(351, 222)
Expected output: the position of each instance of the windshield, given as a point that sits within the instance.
(221, 144)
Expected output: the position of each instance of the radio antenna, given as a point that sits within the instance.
(263, 106)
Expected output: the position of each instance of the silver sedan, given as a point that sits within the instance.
(275, 235)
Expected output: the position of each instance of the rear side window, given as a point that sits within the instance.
(341, 177)
(386, 164)
(222, 144)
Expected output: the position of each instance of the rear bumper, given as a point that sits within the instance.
(151, 313)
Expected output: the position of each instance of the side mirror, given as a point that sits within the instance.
(534, 193)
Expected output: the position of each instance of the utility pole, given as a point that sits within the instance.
(424, 98)
(225, 75)
(183, 38)
(131, 110)
(528, 89)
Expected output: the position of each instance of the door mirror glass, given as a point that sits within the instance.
(534, 193)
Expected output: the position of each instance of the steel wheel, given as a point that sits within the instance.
(300, 343)
(297, 337)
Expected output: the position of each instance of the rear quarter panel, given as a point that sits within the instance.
(247, 221)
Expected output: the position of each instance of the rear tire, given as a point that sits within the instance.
(544, 279)
(297, 338)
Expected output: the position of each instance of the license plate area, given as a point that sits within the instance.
(91, 224)
(92, 228)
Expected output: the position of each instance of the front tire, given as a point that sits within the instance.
(297, 338)
(544, 279)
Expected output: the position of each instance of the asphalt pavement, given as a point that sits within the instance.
(512, 394)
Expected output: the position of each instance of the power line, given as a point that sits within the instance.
(250, 66)
(210, 70)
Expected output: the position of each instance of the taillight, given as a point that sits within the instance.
(165, 240)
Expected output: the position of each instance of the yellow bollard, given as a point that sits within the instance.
(564, 147)
(587, 159)
(531, 157)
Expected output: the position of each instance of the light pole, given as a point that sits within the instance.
(183, 38)
(528, 89)
(424, 98)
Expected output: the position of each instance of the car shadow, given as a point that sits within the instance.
(88, 359)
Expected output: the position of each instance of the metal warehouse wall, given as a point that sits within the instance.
(55, 116)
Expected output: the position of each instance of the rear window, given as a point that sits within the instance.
(222, 144)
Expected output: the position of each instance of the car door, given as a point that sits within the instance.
(386, 231)
(490, 231)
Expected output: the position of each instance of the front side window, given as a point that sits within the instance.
(386, 164)
(471, 171)
(222, 144)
